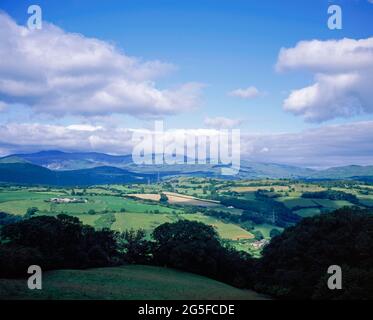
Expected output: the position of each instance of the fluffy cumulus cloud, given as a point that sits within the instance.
(31, 137)
(247, 93)
(60, 73)
(327, 146)
(222, 123)
(343, 77)
(36, 137)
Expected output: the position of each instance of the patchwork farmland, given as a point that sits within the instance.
(131, 206)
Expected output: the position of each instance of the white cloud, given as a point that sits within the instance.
(3, 106)
(31, 137)
(35, 136)
(264, 150)
(84, 127)
(248, 93)
(328, 146)
(331, 55)
(60, 73)
(343, 77)
(222, 122)
(321, 147)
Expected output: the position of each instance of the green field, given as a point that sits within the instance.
(332, 204)
(125, 283)
(137, 213)
(308, 212)
(146, 221)
(110, 203)
(367, 202)
(297, 202)
(26, 195)
(17, 202)
(225, 230)
(89, 219)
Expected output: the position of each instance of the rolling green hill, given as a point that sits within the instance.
(344, 172)
(272, 170)
(125, 283)
(27, 173)
(12, 159)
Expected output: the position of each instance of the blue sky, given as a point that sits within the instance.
(223, 45)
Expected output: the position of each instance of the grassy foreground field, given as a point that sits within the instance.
(125, 283)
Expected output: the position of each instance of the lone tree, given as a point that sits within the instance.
(163, 199)
(274, 233)
(30, 212)
(187, 245)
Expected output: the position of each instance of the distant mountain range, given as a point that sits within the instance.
(58, 160)
(62, 168)
(346, 172)
(27, 173)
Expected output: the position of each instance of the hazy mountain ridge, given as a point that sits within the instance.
(345, 172)
(12, 159)
(27, 173)
(58, 160)
(62, 168)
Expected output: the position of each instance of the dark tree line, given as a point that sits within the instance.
(196, 247)
(331, 195)
(54, 242)
(64, 242)
(294, 265)
(6, 218)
